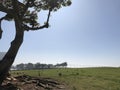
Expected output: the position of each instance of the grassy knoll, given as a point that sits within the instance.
(82, 78)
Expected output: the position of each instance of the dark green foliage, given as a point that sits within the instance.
(74, 88)
(28, 9)
(60, 74)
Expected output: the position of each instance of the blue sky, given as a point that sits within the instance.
(85, 34)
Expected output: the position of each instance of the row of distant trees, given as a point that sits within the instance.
(30, 66)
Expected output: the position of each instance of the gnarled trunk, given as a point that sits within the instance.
(9, 58)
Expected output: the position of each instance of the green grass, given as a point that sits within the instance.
(82, 78)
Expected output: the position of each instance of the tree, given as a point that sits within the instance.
(20, 66)
(37, 66)
(24, 13)
(64, 64)
(29, 66)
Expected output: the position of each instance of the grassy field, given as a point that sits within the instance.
(81, 78)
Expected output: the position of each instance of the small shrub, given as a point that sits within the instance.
(60, 74)
(77, 73)
(39, 74)
(74, 88)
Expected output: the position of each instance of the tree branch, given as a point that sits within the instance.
(49, 15)
(5, 10)
(0, 26)
(15, 7)
(46, 25)
(27, 28)
(26, 7)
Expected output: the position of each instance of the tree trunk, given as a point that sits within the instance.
(9, 58)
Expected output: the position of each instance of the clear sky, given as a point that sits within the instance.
(85, 34)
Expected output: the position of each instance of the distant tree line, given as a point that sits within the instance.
(31, 66)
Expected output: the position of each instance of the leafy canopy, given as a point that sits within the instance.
(27, 10)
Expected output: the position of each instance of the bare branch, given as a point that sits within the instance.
(49, 16)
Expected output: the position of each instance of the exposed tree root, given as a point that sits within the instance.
(26, 82)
